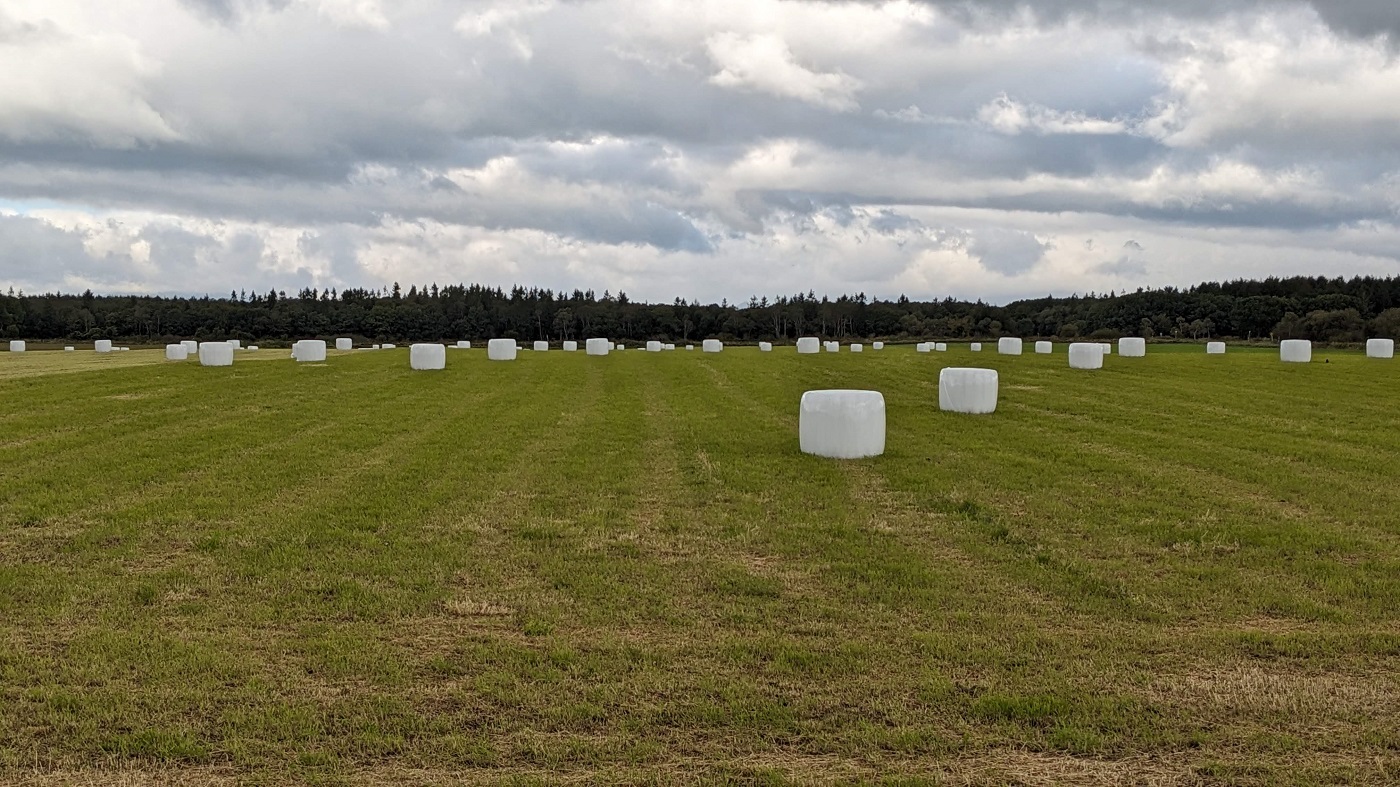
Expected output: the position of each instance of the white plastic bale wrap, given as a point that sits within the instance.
(541, 347)
(597, 346)
(374, 347)
(923, 347)
(940, 347)
(765, 347)
(215, 354)
(976, 347)
(1132, 347)
(1215, 348)
(972, 391)
(690, 347)
(570, 347)
(344, 344)
(711, 345)
(70, 349)
(1085, 355)
(464, 345)
(501, 350)
(668, 346)
(176, 352)
(17, 346)
(1009, 345)
(833, 347)
(877, 345)
(427, 357)
(1044, 348)
(236, 344)
(1106, 347)
(653, 347)
(104, 346)
(1380, 348)
(309, 350)
(1295, 351)
(809, 345)
(252, 348)
(191, 347)
(857, 348)
(842, 424)
(388, 346)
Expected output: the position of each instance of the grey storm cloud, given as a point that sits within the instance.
(1008, 252)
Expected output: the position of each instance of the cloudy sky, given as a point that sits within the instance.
(698, 148)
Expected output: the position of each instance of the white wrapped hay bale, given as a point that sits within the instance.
(833, 347)
(842, 424)
(70, 349)
(653, 347)
(501, 350)
(612, 345)
(668, 347)
(374, 347)
(541, 347)
(597, 346)
(464, 345)
(923, 347)
(309, 351)
(765, 347)
(877, 345)
(809, 345)
(690, 347)
(191, 347)
(1085, 355)
(124, 349)
(215, 354)
(1009, 345)
(17, 346)
(976, 347)
(1044, 348)
(711, 346)
(620, 347)
(389, 346)
(252, 348)
(857, 348)
(570, 347)
(176, 352)
(941, 347)
(105, 346)
(1132, 347)
(972, 391)
(1215, 348)
(236, 344)
(1295, 351)
(1106, 348)
(427, 357)
(344, 344)
(1380, 348)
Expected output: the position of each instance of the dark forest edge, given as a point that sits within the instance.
(1332, 310)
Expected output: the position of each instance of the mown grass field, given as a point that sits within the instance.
(1181, 569)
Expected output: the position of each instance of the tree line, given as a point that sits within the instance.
(1323, 309)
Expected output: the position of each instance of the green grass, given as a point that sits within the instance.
(1178, 569)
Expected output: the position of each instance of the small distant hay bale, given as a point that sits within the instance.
(857, 348)
(690, 347)
(971, 391)
(215, 354)
(976, 347)
(388, 346)
(1086, 355)
(541, 347)
(1215, 348)
(1380, 348)
(70, 349)
(1106, 347)
(842, 424)
(17, 346)
(712, 346)
(597, 346)
(252, 348)
(832, 347)
(1132, 347)
(809, 345)
(236, 344)
(427, 357)
(570, 347)
(501, 349)
(668, 347)
(464, 345)
(191, 347)
(344, 344)
(176, 352)
(941, 347)
(923, 347)
(1010, 345)
(309, 351)
(653, 347)
(105, 346)
(1295, 351)
(1044, 348)
(765, 347)
(877, 345)
(374, 346)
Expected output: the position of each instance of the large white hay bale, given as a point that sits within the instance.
(690, 347)
(501, 349)
(1085, 355)
(711, 346)
(464, 345)
(344, 344)
(765, 347)
(1380, 348)
(191, 347)
(973, 391)
(856, 348)
(374, 347)
(976, 347)
(809, 345)
(653, 347)
(1009, 345)
(1106, 347)
(842, 424)
(388, 346)
(176, 352)
(309, 351)
(597, 346)
(923, 347)
(570, 347)
(17, 346)
(70, 349)
(215, 354)
(105, 346)
(541, 347)
(1132, 347)
(941, 347)
(1044, 348)
(235, 343)
(427, 357)
(877, 345)
(668, 347)
(1215, 348)
(833, 347)
(620, 347)
(1295, 351)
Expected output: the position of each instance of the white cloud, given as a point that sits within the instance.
(765, 64)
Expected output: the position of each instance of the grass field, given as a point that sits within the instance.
(1181, 569)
